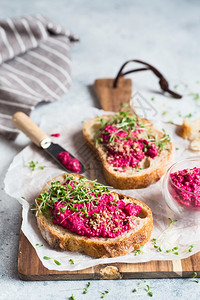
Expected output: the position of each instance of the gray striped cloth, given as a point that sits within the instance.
(34, 66)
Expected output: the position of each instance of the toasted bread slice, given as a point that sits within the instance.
(128, 241)
(131, 178)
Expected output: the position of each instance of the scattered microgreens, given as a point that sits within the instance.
(161, 143)
(72, 297)
(155, 241)
(170, 122)
(164, 113)
(173, 250)
(85, 290)
(139, 251)
(191, 248)
(105, 293)
(194, 278)
(177, 148)
(34, 165)
(71, 261)
(146, 287)
(175, 86)
(152, 99)
(38, 245)
(55, 261)
(188, 116)
(195, 96)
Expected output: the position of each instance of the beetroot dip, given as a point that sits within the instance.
(184, 187)
(71, 164)
(90, 211)
(124, 148)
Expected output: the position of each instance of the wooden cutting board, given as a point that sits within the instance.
(31, 268)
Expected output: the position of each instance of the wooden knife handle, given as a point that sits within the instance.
(29, 128)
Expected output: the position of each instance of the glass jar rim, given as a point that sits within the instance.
(175, 164)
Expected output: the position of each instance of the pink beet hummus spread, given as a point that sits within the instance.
(98, 214)
(184, 187)
(71, 164)
(124, 149)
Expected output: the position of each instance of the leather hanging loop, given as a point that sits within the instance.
(163, 82)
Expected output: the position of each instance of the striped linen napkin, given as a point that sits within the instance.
(34, 66)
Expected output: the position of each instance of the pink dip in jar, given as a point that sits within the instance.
(184, 187)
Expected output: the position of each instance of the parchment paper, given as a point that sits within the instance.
(21, 181)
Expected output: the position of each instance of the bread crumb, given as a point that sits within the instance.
(110, 272)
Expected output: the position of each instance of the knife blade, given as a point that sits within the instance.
(22, 122)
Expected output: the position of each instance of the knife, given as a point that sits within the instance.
(22, 122)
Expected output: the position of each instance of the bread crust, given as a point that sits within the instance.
(59, 237)
(123, 181)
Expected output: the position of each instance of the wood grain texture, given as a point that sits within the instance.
(110, 98)
(31, 268)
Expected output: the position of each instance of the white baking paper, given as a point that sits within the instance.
(21, 181)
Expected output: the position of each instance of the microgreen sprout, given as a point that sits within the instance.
(191, 248)
(71, 261)
(72, 297)
(39, 245)
(105, 293)
(85, 290)
(194, 278)
(195, 96)
(164, 113)
(55, 261)
(188, 116)
(34, 165)
(157, 241)
(144, 286)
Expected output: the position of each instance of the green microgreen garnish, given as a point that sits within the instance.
(195, 96)
(71, 192)
(194, 278)
(156, 242)
(71, 261)
(38, 245)
(85, 290)
(129, 123)
(72, 297)
(46, 257)
(55, 261)
(34, 165)
(144, 286)
(152, 99)
(191, 248)
(188, 116)
(164, 113)
(105, 293)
